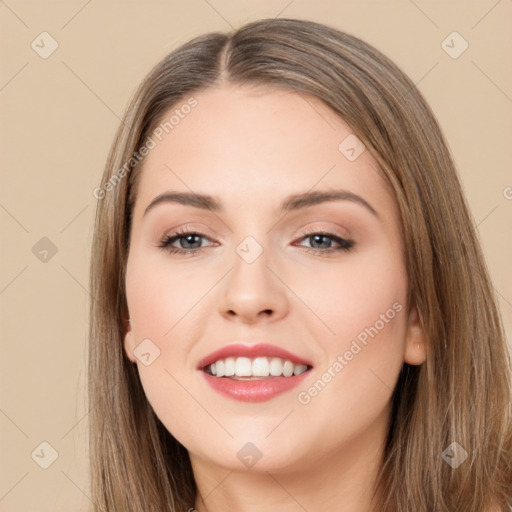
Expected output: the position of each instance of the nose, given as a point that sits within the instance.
(254, 293)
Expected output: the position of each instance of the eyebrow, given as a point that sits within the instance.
(291, 203)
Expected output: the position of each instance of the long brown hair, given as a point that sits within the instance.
(461, 394)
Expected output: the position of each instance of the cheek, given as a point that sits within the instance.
(361, 315)
(159, 297)
(165, 314)
(364, 308)
(352, 296)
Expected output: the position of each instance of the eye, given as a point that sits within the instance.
(190, 240)
(322, 242)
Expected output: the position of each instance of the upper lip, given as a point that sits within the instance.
(251, 351)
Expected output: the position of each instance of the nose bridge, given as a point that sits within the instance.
(251, 289)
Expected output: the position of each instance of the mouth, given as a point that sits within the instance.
(258, 368)
(253, 373)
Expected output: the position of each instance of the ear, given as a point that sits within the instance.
(416, 345)
(129, 341)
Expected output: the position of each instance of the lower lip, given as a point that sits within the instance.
(254, 390)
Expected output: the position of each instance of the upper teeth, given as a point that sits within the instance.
(257, 367)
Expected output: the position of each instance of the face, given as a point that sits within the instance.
(322, 279)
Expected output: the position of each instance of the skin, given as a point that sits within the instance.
(251, 148)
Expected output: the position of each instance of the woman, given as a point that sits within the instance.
(291, 308)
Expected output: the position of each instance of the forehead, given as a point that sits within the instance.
(246, 144)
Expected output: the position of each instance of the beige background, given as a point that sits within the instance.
(59, 115)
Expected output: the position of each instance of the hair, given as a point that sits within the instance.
(462, 393)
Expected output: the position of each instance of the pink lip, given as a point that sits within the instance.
(251, 351)
(254, 390)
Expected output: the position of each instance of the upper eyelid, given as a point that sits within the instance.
(183, 232)
(344, 244)
(311, 225)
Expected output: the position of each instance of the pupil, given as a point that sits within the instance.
(319, 237)
(189, 238)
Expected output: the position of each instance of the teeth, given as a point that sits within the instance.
(260, 367)
(243, 367)
(257, 367)
(276, 367)
(299, 368)
(288, 368)
(229, 367)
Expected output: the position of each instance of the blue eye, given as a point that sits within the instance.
(191, 242)
(186, 238)
(320, 238)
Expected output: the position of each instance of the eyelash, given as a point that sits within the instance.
(344, 244)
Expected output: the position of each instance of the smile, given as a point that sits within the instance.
(245, 367)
